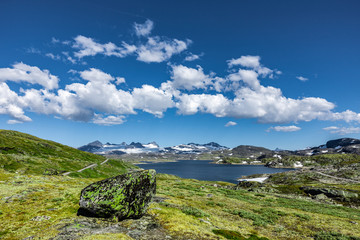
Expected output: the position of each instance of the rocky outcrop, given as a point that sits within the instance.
(338, 194)
(247, 151)
(123, 196)
(252, 186)
(342, 142)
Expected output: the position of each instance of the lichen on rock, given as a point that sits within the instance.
(124, 196)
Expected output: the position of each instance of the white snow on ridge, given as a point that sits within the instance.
(133, 150)
(298, 165)
(150, 145)
(260, 179)
(183, 149)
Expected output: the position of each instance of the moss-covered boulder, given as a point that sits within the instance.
(123, 196)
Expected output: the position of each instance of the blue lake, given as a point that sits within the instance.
(204, 170)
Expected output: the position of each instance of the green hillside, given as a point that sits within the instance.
(24, 153)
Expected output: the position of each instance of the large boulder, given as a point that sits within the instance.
(123, 196)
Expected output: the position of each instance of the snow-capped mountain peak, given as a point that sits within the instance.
(152, 147)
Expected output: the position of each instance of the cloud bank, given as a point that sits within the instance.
(99, 97)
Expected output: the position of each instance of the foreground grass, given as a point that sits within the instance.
(248, 213)
(40, 206)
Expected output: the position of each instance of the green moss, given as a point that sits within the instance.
(334, 236)
(234, 235)
(189, 210)
(228, 234)
(302, 216)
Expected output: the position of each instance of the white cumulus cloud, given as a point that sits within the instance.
(301, 78)
(152, 100)
(245, 61)
(11, 105)
(109, 120)
(284, 128)
(144, 29)
(89, 47)
(253, 63)
(159, 50)
(189, 78)
(342, 130)
(53, 56)
(21, 72)
(192, 57)
(120, 80)
(217, 105)
(249, 77)
(230, 123)
(100, 98)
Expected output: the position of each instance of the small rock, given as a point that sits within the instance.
(204, 221)
(40, 218)
(209, 195)
(155, 208)
(215, 185)
(159, 199)
(321, 197)
(29, 238)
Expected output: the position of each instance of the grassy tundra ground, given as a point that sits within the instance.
(44, 206)
(37, 205)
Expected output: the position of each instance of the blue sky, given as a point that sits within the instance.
(267, 73)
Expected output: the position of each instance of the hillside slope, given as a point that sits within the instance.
(28, 154)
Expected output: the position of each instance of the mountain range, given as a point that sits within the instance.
(138, 148)
(342, 145)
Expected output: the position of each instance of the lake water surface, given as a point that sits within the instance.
(204, 170)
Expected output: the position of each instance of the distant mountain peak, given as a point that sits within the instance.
(342, 142)
(91, 147)
(152, 144)
(96, 143)
(136, 145)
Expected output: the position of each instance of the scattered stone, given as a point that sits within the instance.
(52, 172)
(124, 196)
(321, 197)
(29, 238)
(155, 208)
(40, 218)
(209, 195)
(247, 184)
(159, 199)
(205, 221)
(144, 228)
